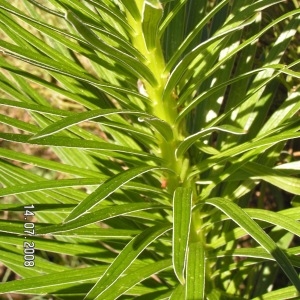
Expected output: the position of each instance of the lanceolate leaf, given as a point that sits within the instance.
(215, 89)
(286, 219)
(152, 14)
(189, 141)
(14, 260)
(133, 9)
(35, 108)
(85, 116)
(125, 283)
(178, 293)
(106, 189)
(182, 209)
(49, 283)
(71, 143)
(127, 60)
(195, 272)
(100, 215)
(274, 177)
(171, 15)
(18, 124)
(55, 246)
(261, 144)
(253, 229)
(178, 71)
(114, 13)
(125, 259)
(49, 184)
(194, 33)
(49, 165)
(242, 170)
(60, 68)
(161, 126)
(283, 293)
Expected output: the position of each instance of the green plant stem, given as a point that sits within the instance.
(165, 110)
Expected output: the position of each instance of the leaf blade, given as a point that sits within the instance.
(242, 219)
(107, 188)
(195, 272)
(125, 259)
(182, 207)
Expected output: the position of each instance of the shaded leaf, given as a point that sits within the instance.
(252, 228)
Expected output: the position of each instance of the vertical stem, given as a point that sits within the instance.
(163, 109)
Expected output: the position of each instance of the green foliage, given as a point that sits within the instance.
(164, 195)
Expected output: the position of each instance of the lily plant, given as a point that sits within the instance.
(169, 124)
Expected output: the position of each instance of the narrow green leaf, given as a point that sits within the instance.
(17, 176)
(161, 126)
(286, 219)
(126, 258)
(53, 245)
(257, 254)
(18, 124)
(190, 140)
(33, 41)
(242, 252)
(36, 22)
(142, 135)
(13, 258)
(194, 33)
(43, 61)
(114, 13)
(195, 271)
(131, 6)
(48, 184)
(51, 282)
(49, 165)
(36, 108)
(152, 14)
(277, 178)
(279, 219)
(239, 216)
(258, 145)
(106, 189)
(126, 60)
(50, 207)
(99, 233)
(72, 143)
(171, 15)
(80, 117)
(243, 45)
(178, 71)
(295, 165)
(14, 227)
(208, 93)
(101, 215)
(178, 293)
(182, 209)
(283, 293)
(133, 278)
(60, 68)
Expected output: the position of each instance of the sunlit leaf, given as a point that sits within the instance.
(182, 209)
